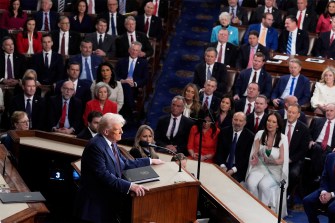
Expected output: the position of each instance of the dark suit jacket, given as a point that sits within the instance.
(108, 44)
(119, 22)
(302, 117)
(95, 62)
(242, 152)
(101, 186)
(53, 18)
(38, 110)
(83, 91)
(140, 75)
(122, 45)
(264, 82)
(256, 17)
(51, 74)
(74, 112)
(328, 179)
(322, 47)
(310, 19)
(74, 42)
(85, 134)
(230, 53)
(251, 122)
(302, 43)
(155, 29)
(241, 13)
(215, 103)
(3, 33)
(240, 104)
(302, 89)
(244, 53)
(316, 127)
(19, 64)
(163, 8)
(271, 36)
(180, 139)
(219, 72)
(299, 141)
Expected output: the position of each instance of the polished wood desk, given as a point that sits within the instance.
(311, 70)
(19, 212)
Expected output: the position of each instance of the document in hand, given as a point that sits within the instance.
(140, 175)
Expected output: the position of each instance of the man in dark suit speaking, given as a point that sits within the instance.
(102, 192)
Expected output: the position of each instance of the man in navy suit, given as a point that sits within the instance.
(308, 16)
(293, 84)
(49, 65)
(323, 198)
(46, 20)
(299, 38)
(247, 104)
(89, 62)
(257, 15)
(248, 50)
(244, 141)
(65, 111)
(207, 98)
(102, 193)
(325, 44)
(271, 36)
(149, 24)
(255, 74)
(239, 14)
(91, 130)
(173, 130)
(257, 119)
(132, 72)
(228, 50)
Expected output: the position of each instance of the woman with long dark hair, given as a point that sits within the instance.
(29, 41)
(14, 18)
(324, 22)
(80, 21)
(225, 113)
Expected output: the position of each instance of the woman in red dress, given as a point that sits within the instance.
(14, 17)
(29, 41)
(324, 23)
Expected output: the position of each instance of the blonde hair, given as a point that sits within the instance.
(329, 68)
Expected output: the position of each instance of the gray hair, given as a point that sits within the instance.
(108, 120)
(225, 15)
(101, 85)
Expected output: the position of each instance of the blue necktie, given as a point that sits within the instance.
(88, 71)
(131, 69)
(289, 44)
(292, 85)
(232, 152)
(113, 25)
(28, 111)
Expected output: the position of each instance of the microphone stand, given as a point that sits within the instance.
(282, 189)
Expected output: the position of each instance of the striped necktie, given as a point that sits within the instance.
(289, 44)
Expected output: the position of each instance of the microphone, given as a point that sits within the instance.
(147, 144)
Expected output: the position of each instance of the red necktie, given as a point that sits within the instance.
(256, 125)
(90, 7)
(251, 57)
(249, 109)
(155, 8)
(331, 40)
(220, 54)
(62, 47)
(62, 118)
(146, 26)
(46, 22)
(289, 133)
(206, 103)
(325, 139)
(299, 19)
(254, 77)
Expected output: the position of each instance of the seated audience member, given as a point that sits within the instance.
(238, 14)
(298, 141)
(46, 20)
(207, 97)
(192, 101)
(89, 62)
(291, 100)
(225, 19)
(132, 72)
(225, 112)
(247, 51)
(29, 41)
(31, 74)
(209, 138)
(324, 92)
(106, 74)
(161, 8)
(148, 23)
(269, 7)
(80, 21)
(247, 104)
(125, 40)
(100, 103)
(292, 84)
(324, 24)
(208, 69)
(322, 141)
(256, 120)
(268, 36)
(15, 17)
(65, 111)
(172, 131)
(325, 44)
(323, 197)
(103, 43)
(227, 52)
(91, 130)
(49, 65)
(306, 16)
(269, 161)
(234, 146)
(29, 102)
(66, 41)
(292, 40)
(256, 74)
(144, 133)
